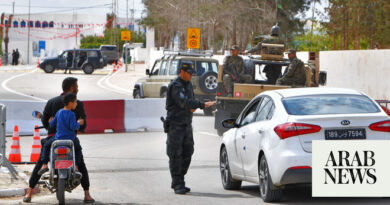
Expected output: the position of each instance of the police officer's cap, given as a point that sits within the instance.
(235, 47)
(187, 66)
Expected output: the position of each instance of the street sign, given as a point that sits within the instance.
(125, 35)
(193, 38)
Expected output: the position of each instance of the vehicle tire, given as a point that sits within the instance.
(61, 191)
(88, 69)
(227, 181)
(163, 94)
(208, 111)
(208, 82)
(49, 68)
(268, 192)
(136, 94)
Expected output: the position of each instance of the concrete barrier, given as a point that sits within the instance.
(103, 115)
(144, 114)
(20, 113)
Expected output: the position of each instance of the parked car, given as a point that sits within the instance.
(87, 60)
(270, 143)
(164, 70)
(111, 52)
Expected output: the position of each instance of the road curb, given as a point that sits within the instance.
(18, 191)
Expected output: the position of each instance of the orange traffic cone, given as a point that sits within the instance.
(36, 147)
(115, 68)
(1, 62)
(14, 155)
(38, 63)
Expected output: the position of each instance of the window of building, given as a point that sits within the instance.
(16, 24)
(22, 24)
(37, 24)
(31, 24)
(51, 24)
(45, 24)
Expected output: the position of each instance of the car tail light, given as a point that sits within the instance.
(383, 126)
(291, 129)
(62, 150)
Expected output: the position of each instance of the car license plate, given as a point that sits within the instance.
(345, 134)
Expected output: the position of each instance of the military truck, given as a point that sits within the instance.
(165, 69)
(231, 107)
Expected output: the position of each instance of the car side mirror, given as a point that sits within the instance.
(147, 72)
(322, 78)
(229, 123)
(37, 114)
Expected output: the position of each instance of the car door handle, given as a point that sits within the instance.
(261, 130)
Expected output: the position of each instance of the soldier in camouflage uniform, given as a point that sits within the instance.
(272, 72)
(180, 104)
(273, 38)
(234, 71)
(295, 74)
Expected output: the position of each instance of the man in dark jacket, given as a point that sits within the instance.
(69, 61)
(52, 106)
(180, 105)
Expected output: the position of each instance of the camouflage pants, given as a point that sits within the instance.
(228, 81)
(180, 147)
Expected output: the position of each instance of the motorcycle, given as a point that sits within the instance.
(62, 175)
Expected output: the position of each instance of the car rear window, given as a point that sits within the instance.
(205, 66)
(329, 104)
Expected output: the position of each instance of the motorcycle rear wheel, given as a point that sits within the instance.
(61, 191)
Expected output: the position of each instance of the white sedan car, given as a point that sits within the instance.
(271, 141)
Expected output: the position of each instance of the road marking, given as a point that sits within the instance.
(107, 81)
(208, 133)
(5, 87)
(100, 84)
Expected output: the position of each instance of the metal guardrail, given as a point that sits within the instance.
(3, 159)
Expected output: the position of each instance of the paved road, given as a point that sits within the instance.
(132, 168)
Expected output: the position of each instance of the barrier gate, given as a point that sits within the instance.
(3, 159)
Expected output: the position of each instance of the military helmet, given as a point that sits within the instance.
(275, 30)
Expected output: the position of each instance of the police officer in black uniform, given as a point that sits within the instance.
(180, 105)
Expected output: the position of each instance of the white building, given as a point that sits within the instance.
(50, 33)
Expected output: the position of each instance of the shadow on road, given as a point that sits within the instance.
(79, 202)
(213, 195)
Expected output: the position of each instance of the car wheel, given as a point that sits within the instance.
(49, 68)
(208, 82)
(268, 192)
(163, 94)
(227, 181)
(136, 94)
(88, 69)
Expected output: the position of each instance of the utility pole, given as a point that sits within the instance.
(28, 33)
(13, 7)
(127, 25)
(75, 25)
